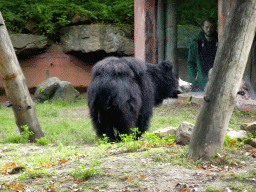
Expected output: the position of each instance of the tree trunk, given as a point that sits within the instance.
(16, 87)
(161, 29)
(250, 71)
(223, 11)
(230, 62)
(171, 33)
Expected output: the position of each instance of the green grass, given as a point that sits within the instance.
(56, 121)
(68, 123)
(240, 117)
(173, 115)
(67, 127)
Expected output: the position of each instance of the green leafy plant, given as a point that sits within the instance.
(82, 174)
(95, 162)
(15, 137)
(188, 11)
(103, 140)
(33, 173)
(49, 16)
(190, 99)
(42, 141)
(231, 143)
(41, 90)
(131, 137)
(213, 189)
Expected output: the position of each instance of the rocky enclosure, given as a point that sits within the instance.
(82, 38)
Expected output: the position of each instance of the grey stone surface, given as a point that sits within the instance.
(65, 91)
(165, 131)
(183, 133)
(249, 126)
(46, 89)
(26, 41)
(252, 142)
(96, 37)
(241, 134)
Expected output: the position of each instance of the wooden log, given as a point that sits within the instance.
(16, 87)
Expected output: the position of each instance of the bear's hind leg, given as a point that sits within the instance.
(104, 125)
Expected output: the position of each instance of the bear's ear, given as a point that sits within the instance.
(166, 65)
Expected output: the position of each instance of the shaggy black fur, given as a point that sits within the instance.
(123, 91)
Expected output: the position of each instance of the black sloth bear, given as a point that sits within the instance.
(123, 91)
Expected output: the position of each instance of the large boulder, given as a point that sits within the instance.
(95, 38)
(46, 89)
(53, 88)
(25, 41)
(65, 91)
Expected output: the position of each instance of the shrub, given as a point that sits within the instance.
(50, 15)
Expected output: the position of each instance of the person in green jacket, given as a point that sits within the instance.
(201, 55)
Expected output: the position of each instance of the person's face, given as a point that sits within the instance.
(208, 28)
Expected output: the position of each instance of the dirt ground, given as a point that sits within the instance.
(145, 169)
(142, 170)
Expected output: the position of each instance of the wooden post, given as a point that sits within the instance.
(161, 29)
(171, 33)
(230, 62)
(139, 29)
(16, 87)
(145, 30)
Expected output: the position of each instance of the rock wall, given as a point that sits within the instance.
(90, 38)
(95, 38)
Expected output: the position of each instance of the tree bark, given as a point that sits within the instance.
(161, 29)
(171, 33)
(223, 11)
(230, 62)
(16, 87)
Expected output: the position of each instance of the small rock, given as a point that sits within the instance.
(165, 132)
(183, 133)
(227, 190)
(243, 126)
(246, 147)
(252, 142)
(241, 134)
(251, 127)
(17, 169)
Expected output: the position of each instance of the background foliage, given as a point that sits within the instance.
(49, 15)
(194, 12)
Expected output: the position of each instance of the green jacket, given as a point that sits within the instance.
(197, 75)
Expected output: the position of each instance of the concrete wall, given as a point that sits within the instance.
(55, 63)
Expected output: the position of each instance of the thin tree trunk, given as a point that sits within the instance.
(161, 29)
(230, 62)
(171, 33)
(16, 87)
